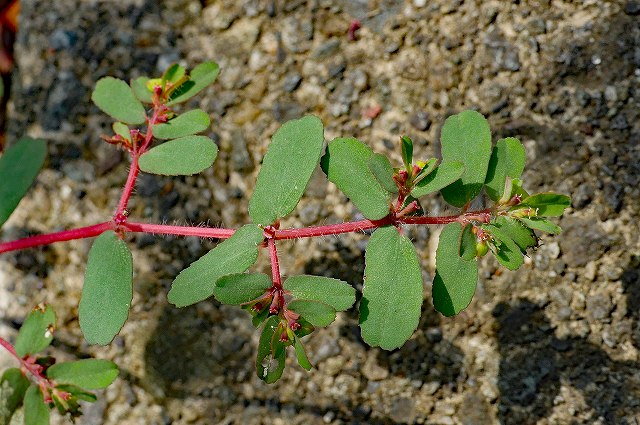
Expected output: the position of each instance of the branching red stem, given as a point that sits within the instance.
(275, 264)
(32, 368)
(49, 238)
(161, 229)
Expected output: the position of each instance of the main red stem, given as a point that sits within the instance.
(275, 264)
(32, 368)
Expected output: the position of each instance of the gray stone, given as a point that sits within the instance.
(403, 410)
(291, 82)
(599, 306)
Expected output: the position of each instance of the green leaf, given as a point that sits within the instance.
(13, 386)
(346, 163)
(174, 73)
(78, 392)
(517, 189)
(546, 204)
(337, 293)
(116, 98)
(180, 157)
(19, 166)
(36, 412)
(141, 91)
(507, 160)
(199, 78)
(392, 294)
(287, 166)
(407, 153)
(301, 355)
(185, 124)
(520, 234)
(107, 292)
(235, 255)
(456, 278)
(508, 253)
(466, 137)
(91, 374)
(122, 130)
(36, 332)
(426, 169)
(269, 368)
(315, 312)
(447, 173)
(468, 243)
(541, 224)
(239, 288)
(383, 171)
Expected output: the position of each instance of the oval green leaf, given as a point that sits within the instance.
(315, 312)
(466, 137)
(235, 255)
(116, 98)
(90, 374)
(392, 294)
(185, 124)
(507, 160)
(180, 157)
(13, 386)
(520, 234)
(269, 365)
(407, 153)
(36, 412)
(199, 78)
(239, 288)
(541, 224)
(287, 166)
(507, 252)
(456, 278)
(122, 130)
(334, 292)
(19, 167)
(383, 171)
(36, 332)
(346, 163)
(107, 291)
(301, 355)
(140, 89)
(445, 174)
(546, 204)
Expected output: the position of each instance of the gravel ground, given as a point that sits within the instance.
(553, 343)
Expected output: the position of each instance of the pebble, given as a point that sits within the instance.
(420, 121)
(372, 370)
(599, 306)
(632, 8)
(403, 410)
(582, 196)
(291, 82)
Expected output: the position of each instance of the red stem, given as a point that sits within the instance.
(34, 369)
(129, 185)
(49, 238)
(275, 265)
(203, 232)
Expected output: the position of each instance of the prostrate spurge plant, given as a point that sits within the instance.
(289, 309)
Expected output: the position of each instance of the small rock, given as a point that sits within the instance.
(590, 271)
(619, 122)
(420, 121)
(583, 196)
(632, 8)
(328, 348)
(403, 410)
(431, 387)
(372, 370)
(434, 335)
(614, 195)
(291, 82)
(419, 3)
(63, 39)
(326, 49)
(599, 306)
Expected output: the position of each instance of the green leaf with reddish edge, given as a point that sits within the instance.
(346, 163)
(507, 252)
(541, 224)
(426, 169)
(13, 386)
(19, 167)
(383, 171)
(507, 160)
(122, 130)
(140, 89)
(456, 278)
(91, 374)
(287, 166)
(107, 291)
(392, 294)
(235, 255)
(269, 368)
(301, 355)
(466, 137)
(406, 145)
(36, 412)
(115, 98)
(546, 204)
(199, 78)
(185, 124)
(444, 175)
(315, 312)
(239, 288)
(36, 332)
(519, 233)
(334, 292)
(174, 73)
(180, 157)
